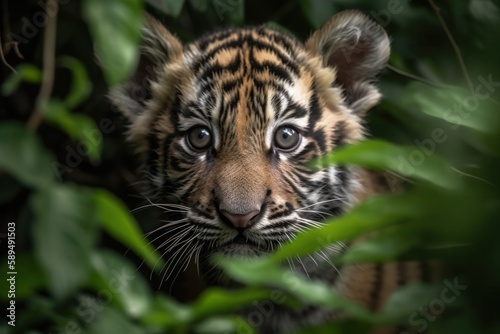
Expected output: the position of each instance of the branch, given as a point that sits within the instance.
(415, 77)
(49, 47)
(453, 44)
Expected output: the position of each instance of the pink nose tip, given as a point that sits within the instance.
(240, 221)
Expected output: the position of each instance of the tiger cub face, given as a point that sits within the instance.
(227, 124)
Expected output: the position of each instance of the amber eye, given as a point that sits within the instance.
(286, 138)
(199, 138)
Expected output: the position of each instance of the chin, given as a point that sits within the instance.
(212, 274)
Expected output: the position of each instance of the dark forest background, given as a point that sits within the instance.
(69, 195)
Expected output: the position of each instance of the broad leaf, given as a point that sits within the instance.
(64, 233)
(407, 161)
(115, 26)
(23, 155)
(110, 321)
(118, 276)
(374, 213)
(79, 127)
(120, 224)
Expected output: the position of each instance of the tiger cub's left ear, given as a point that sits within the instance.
(358, 49)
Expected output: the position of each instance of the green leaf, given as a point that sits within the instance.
(120, 224)
(25, 72)
(309, 292)
(374, 213)
(408, 300)
(29, 278)
(10, 188)
(23, 155)
(81, 87)
(387, 245)
(115, 27)
(407, 161)
(170, 7)
(218, 301)
(454, 105)
(64, 233)
(167, 313)
(232, 11)
(339, 327)
(318, 11)
(110, 320)
(118, 276)
(200, 5)
(77, 126)
(217, 325)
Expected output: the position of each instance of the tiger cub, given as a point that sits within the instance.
(226, 125)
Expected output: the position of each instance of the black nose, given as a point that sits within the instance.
(240, 221)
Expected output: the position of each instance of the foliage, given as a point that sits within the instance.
(66, 178)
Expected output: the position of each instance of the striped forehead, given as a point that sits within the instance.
(248, 77)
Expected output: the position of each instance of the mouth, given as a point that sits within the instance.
(241, 245)
(242, 240)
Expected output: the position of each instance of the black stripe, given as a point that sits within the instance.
(314, 112)
(376, 286)
(425, 271)
(402, 278)
(339, 134)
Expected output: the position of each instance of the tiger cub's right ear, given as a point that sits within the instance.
(158, 48)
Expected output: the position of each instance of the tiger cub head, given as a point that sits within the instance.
(227, 124)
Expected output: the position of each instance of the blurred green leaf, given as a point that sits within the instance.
(309, 292)
(115, 26)
(170, 7)
(318, 11)
(454, 105)
(26, 284)
(409, 300)
(10, 188)
(23, 155)
(167, 312)
(339, 327)
(217, 325)
(231, 11)
(77, 126)
(387, 245)
(408, 161)
(118, 276)
(120, 224)
(110, 321)
(64, 233)
(200, 5)
(219, 301)
(81, 86)
(25, 72)
(374, 213)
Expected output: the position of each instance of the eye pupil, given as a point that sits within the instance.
(287, 138)
(199, 138)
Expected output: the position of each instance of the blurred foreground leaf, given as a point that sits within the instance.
(121, 225)
(23, 155)
(25, 72)
(118, 276)
(77, 126)
(407, 161)
(115, 26)
(110, 321)
(64, 233)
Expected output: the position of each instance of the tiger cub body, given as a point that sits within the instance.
(226, 126)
